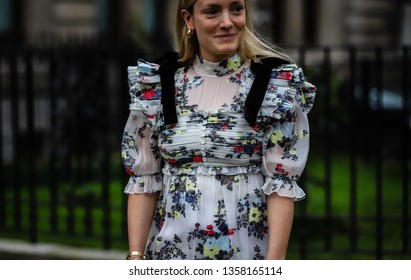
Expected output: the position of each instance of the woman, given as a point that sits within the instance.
(216, 142)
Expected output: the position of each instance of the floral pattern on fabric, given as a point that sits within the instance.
(215, 169)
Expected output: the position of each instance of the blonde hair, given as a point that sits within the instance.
(253, 46)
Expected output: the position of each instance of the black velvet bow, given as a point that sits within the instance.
(262, 72)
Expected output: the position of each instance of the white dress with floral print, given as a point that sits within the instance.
(212, 168)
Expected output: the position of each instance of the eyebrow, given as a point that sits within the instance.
(217, 5)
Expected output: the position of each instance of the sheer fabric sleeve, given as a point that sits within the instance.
(288, 100)
(139, 150)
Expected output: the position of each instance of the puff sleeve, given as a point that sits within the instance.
(139, 151)
(288, 100)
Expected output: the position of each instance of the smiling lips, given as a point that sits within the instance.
(225, 36)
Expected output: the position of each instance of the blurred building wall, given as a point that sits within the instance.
(60, 19)
(291, 22)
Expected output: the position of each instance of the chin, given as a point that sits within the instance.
(228, 51)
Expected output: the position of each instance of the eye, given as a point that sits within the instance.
(238, 9)
(211, 12)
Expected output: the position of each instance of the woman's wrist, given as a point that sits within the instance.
(136, 255)
(271, 255)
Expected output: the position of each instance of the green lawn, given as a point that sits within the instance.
(340, 208)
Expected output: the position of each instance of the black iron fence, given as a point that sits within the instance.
(62, 112)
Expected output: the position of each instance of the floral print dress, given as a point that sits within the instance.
(212, 168)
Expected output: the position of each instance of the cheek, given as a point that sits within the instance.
(204, 29)
(209, 28)
(240, 24)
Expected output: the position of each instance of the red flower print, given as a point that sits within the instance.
(238, 149)
(197, 225)
(149, 94)
(257, 148)
(172, 161)
(130, 172)
(285, 76)
(198, 159)
(151, 116)
(210, 227)
(231, 231)
(211, 232)
(279, 168)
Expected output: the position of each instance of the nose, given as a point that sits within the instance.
(226, 21)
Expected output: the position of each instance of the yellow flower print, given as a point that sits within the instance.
(131, 142)
(176, 214)
(211, 251)
(167, 157)
(145, 87)
(254, 215)
(276, 136)
(293, 152)
(123, 154)
(303, 101)
(212, 119)
(302, 134)
(186, 169)
(190, 185)
(161, 211)
(185, 111)
(181, 132)
(233, 63)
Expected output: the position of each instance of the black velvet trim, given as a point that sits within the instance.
(168, 67)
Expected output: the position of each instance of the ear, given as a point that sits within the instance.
(188, 18)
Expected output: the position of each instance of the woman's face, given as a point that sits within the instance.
(219, 26)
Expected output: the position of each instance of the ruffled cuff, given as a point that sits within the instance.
(286, 188)
(144, 184)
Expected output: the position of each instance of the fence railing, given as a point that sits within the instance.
(62, 112)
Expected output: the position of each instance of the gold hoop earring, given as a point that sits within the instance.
(190, 33)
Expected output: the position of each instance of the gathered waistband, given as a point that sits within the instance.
(210, 170)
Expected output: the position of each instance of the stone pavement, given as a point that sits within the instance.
(19, 250)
